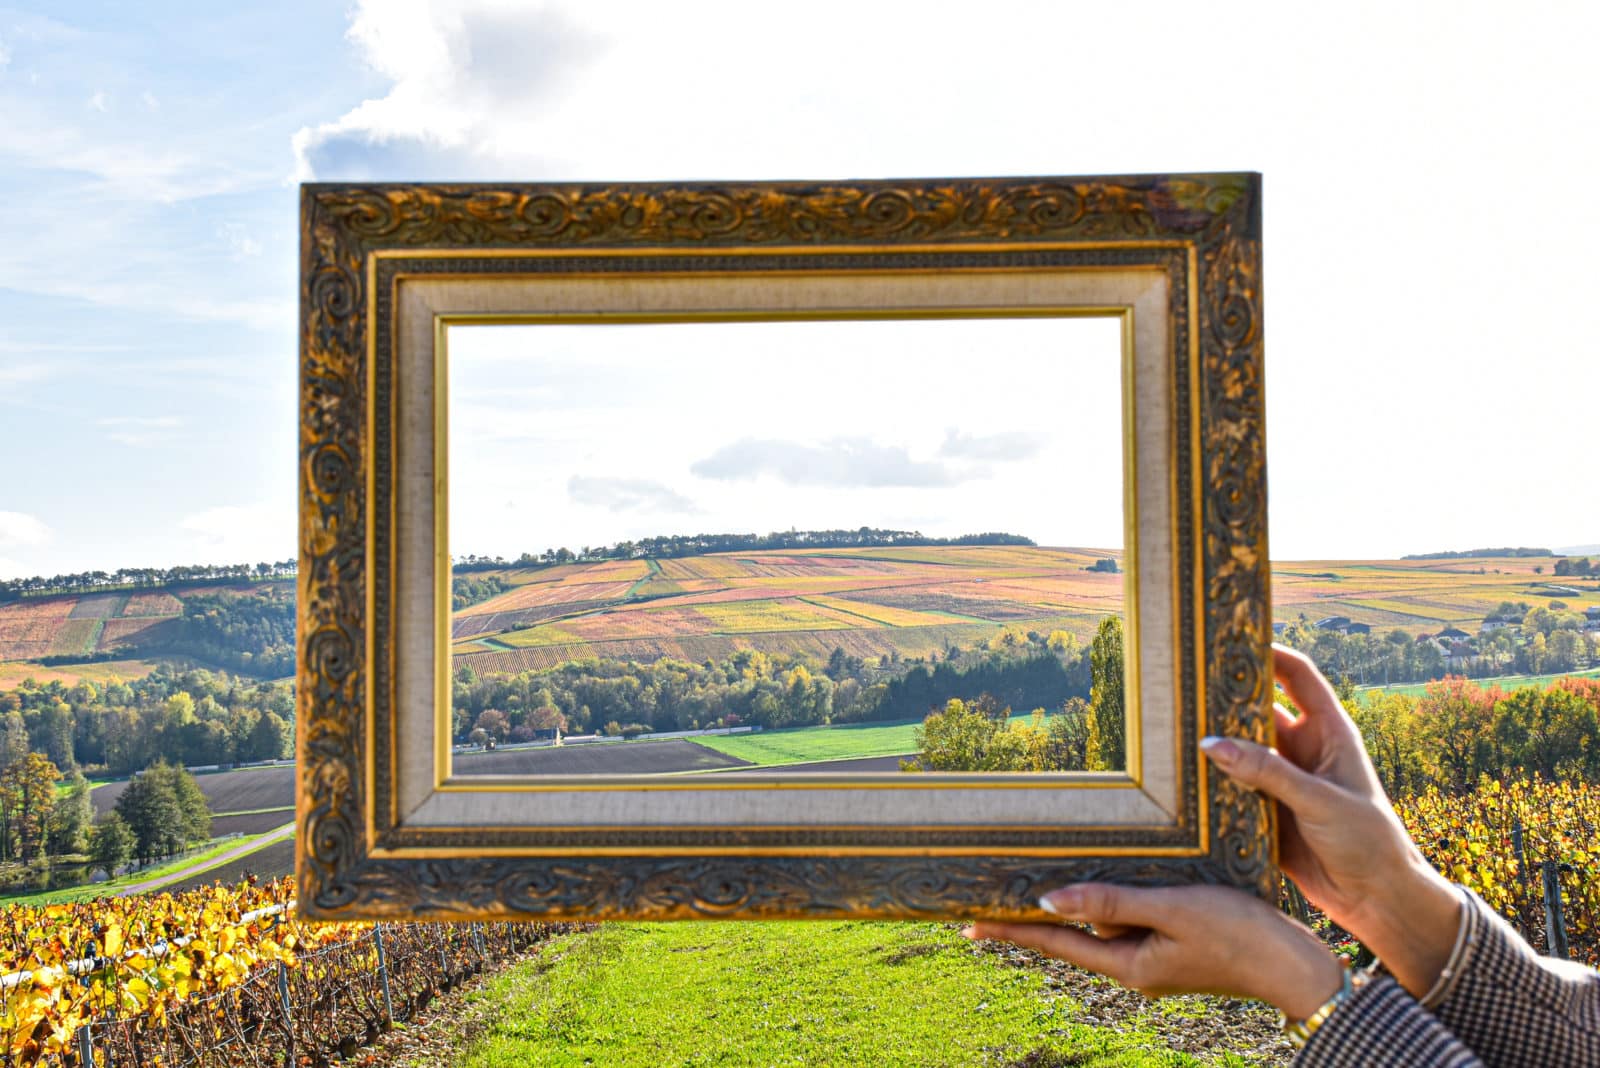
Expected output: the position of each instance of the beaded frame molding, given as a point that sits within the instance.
(355, 860)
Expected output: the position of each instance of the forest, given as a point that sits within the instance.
(1021, 670)
(185, 716)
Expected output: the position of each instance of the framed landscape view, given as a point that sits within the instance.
(858, 549)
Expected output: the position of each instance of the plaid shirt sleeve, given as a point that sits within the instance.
(1513, 1007)
(1500, 1005)
(1382, 1024)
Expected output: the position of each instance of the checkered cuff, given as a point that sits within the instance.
(1515, 1007)
(1382, 1024)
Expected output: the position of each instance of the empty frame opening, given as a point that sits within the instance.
(835, 547)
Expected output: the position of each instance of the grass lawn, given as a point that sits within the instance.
(1505, 682)
(805, 745)
(802, 745)
(89, 891)
(786, 994)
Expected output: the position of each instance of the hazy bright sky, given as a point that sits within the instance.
(561, 436)
(1430, 209)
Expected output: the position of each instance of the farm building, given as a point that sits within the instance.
(1344, 625)
(1494, 623)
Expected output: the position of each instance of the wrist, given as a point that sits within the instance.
(1315, 975)
(1413, 928)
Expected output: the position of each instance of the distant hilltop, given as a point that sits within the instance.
(677, 545)
(1464, 554)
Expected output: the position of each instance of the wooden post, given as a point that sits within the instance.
(1555, 923)
(383, 972)
(85, 1047)
(288, 1014)
(1522, 857)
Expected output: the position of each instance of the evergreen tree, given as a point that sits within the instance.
(1108, 719)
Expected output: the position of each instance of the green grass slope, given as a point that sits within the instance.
(787, 994)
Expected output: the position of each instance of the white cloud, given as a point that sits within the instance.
(240, 244)
(470, 82)
(141, 432)
(840, 462)
(18, 373)
(148, 99)
(260, 531)
(1011, 445)
(5, 54)
(627, 495)
(21, 530)
(99, 101)
(153, 421)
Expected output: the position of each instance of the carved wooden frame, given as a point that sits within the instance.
(1202, 231)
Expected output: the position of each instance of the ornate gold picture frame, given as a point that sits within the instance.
(387, 830)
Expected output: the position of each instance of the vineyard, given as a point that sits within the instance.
(221, 976)
(1496, 839)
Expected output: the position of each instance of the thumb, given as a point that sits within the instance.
(1267, 770)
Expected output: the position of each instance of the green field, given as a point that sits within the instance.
(803, 745)
(789, 994)
(807, 745)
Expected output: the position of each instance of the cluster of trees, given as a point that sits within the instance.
(982, 735)
(161, 812)
(1578, 567)
(36, 818)
(468, 591)
(1548, 638)
(674, 545)
(1457, 731)
(189, 717)
(251, 632)
(764, 689)
(136, 578)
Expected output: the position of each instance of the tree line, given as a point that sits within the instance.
(1534, 640)
(186, 716)
(763, 689)
(1467, 554)
(675, 545)
(139, 578)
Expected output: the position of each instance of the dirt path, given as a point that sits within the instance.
(221, 858)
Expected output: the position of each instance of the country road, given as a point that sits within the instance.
(211, 862)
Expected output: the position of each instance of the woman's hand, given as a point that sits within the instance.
(1339, 839)
(1188, 939)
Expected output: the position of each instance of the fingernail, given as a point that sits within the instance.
(1219, 749)
(1063, 903)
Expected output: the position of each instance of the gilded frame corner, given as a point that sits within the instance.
(1203, 230)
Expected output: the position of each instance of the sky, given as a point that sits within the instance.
(1429, 211)
(562, 436)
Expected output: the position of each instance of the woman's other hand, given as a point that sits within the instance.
(1339, 839)
(1184, 939)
